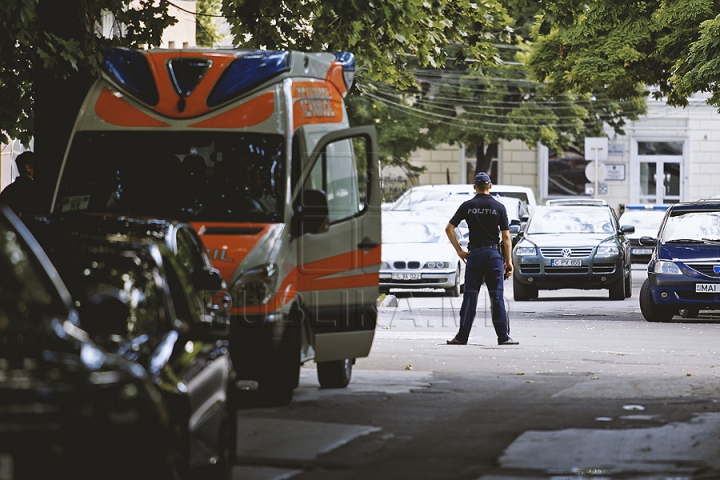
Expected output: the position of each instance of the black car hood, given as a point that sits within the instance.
(59, 346)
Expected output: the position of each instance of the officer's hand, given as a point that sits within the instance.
(463, 255)
(508, 270)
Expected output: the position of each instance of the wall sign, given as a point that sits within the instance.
(615, 171)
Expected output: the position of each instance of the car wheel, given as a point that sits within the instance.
(455, 290)
(522, 292)
(628, 285)
(617, 290)
(281, 377)
(689, 312)
(651, 311)
(335, 374)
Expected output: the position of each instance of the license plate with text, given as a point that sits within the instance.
(566, 262)
(406, 276)
(707, 288)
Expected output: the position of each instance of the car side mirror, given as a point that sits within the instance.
(524, 218)
(515, 221)
(311, 213)
(627, 229)
(648, 241)
(514, 229)
(208, 280)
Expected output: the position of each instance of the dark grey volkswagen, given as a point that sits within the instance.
(572, 244)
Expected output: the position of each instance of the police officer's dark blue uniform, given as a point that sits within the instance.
(485, 217)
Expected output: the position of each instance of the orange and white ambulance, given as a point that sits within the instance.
(254, 149)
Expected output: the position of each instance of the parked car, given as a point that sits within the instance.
(108, 367)
(460, 192)
(181, 238)
(684, 269)
(576, 245)
(416, 254)
(646, 219)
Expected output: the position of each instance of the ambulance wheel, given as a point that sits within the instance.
(281, 377)
(335, 374)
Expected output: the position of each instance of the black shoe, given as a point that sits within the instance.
(509, 341)
(456, 342)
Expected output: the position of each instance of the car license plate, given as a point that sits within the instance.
(406, 276)
(7, 467)
(565, 262)
(707, 288)
(642, 251)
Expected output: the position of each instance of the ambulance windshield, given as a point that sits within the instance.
(206, 176)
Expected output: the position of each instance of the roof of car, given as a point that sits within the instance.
(705, 205)
(577, 201)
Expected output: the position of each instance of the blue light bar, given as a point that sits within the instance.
(246, 73)
(132, 70)
(347, 60)
(646, 207)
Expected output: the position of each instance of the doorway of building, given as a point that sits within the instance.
(660, 173)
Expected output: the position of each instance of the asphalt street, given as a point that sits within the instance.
(592, 391)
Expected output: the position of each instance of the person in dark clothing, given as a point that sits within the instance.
(22, 195)
(485, 217)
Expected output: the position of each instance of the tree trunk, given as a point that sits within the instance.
(484, 157)
(57, 101)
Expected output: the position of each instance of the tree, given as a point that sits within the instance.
(624, 51)
(384, 35)
(49, 52)
(206, 31)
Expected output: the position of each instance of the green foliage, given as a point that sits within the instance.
(384, 35)
(625, 50)
(206, 31)
(24, 53)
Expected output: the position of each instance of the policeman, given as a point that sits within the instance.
(485, 216)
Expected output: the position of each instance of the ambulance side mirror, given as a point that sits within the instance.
(310, 214)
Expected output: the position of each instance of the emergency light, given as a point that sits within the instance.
(247, 72)
(131, 69)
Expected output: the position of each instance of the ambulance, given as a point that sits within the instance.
(253, 148)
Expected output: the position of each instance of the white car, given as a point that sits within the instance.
(416, 254)
(646, 219)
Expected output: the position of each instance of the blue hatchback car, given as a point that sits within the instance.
(684, 270)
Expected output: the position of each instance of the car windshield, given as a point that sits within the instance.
(406, 232)
(692, 226)
(645, 219)
(570, 220)
(193, 176)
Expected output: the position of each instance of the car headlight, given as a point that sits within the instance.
(607, 249)
(256, 286)
(522, 250)
(668, 268)
(437, 265)
(384, 265)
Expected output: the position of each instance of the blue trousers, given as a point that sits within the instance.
(484, 265)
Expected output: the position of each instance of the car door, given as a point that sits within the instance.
(338, 267)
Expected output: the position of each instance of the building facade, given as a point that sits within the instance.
(669, 155)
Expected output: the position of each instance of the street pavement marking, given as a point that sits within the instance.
(291, 443)
(676, 449)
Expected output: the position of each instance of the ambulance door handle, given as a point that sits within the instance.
(367, 244)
